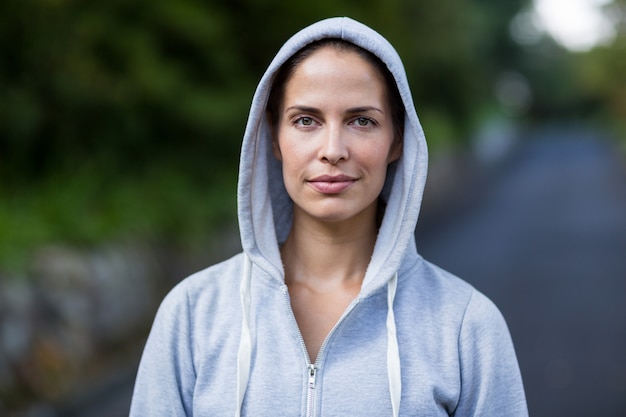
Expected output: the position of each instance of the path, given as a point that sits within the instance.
(546, 240)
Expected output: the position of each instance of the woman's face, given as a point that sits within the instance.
(335, 136)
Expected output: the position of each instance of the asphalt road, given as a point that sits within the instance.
(545, 238)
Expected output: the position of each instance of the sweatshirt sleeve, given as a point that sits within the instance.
(491, 383)
(166, 376)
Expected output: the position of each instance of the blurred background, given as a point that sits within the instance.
(120, 127)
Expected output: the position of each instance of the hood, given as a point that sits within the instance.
(264, 207)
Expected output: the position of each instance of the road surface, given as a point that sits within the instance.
(545, 238)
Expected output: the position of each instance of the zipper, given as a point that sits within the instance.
(313, 367)
(310, 401)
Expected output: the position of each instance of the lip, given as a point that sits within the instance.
(332, 184)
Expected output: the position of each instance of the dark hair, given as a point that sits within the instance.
(284, 73)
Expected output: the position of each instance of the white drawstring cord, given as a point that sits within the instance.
(245, 343)
(393, 353)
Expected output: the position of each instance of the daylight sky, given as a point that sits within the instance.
(576, 24)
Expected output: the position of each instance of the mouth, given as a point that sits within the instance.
(332, 184)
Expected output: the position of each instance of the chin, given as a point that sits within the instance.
(331, 217)
(341, 214)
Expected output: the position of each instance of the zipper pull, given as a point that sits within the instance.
(312, 373)
(310, 402)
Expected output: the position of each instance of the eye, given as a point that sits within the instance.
(304, 121)
(364, 122)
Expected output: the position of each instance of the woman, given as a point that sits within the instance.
(329, 310)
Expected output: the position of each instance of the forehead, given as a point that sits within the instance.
(335, 72)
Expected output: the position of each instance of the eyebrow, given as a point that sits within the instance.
(305, 109)
(352, 110)
(365, 109)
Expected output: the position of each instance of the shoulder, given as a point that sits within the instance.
(434, 293)
(466, 334)
(193, 325)
(434, 288)
(200, 310)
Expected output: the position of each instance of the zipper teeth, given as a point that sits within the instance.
(312, 367)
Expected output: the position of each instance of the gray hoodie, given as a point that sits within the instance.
(417, 341)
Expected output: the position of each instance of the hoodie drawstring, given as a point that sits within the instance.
(393, 353)
(245, 343)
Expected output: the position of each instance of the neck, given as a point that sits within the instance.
(324, 254)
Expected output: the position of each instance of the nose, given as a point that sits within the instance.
(333, 148)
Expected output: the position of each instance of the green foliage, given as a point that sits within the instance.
(138, 78)
(581, 86)
(602, 70)
(125, 117)
(125, 77)
(84, 208)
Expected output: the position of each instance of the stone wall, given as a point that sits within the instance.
(70, 314)
(77, 316)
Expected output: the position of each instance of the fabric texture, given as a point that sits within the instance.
(220, 346)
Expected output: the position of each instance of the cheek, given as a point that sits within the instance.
(292, 175)
(293, 154)
(378, 158)
(292, 163)
(284, 153)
